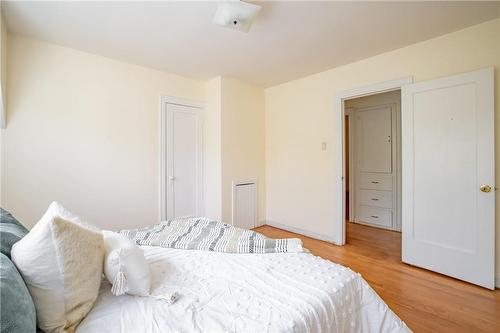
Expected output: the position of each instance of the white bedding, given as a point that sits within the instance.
(222, 292)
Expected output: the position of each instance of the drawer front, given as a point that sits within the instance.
(375, 215)
(376, 181)
(376, 198)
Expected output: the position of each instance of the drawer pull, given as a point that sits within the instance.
(374, 199)
(375, 216)
(374, 182)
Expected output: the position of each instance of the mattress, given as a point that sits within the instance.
(220, 292)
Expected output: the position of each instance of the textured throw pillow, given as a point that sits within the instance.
(11, 231)
(125, 266)
(61, 262)
(17, 308)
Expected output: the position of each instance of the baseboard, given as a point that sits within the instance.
(497, 282)
(300, 231)
(260, 223)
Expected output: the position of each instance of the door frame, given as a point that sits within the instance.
(164, 100)
(377, 88)
(349, 113)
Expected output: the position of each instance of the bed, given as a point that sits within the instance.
(221, 292)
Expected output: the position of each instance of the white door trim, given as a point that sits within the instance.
(164, 100)
(338, 109)
(350, 115)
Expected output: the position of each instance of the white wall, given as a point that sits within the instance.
(212, 153)
(3, 83)
(234, 144)
(84, 130)
(302, 180)
(243, 141)
(3, 70)
(391, 97)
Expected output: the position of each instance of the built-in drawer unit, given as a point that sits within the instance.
(373, 167)
(376, 198)
(375, 215)
(376, 181)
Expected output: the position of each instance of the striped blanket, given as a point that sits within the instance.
(203, 234)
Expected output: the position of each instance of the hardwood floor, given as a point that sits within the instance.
(426, 301)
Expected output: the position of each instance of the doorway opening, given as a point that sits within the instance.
(372, 157)
(339, 108)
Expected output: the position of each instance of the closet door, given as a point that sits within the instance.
(374, 132)
(184, 149)
(449, 176)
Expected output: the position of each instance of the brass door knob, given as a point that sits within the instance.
(485, 188)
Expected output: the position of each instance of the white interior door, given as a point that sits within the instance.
(448, 180)
(184, 135)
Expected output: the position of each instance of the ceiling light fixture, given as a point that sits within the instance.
(237, 15)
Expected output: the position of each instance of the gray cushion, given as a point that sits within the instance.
(17, 308)
(10, 231)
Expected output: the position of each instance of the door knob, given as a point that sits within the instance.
(172, 178)
(485, 188)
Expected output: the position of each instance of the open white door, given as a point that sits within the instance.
(448, 184)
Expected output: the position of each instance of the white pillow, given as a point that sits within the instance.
(61, 262)
(125, 266)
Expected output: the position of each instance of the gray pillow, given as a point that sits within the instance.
(11, 231)
(17, 308)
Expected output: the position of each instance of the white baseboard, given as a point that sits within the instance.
(300, 231)
(260, 223)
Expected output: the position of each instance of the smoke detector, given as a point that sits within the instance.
(237, 15)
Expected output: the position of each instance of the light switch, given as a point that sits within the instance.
(323, 146)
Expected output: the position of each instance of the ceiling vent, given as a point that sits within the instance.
(237, 15)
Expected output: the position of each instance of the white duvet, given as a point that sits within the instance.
(222, 292)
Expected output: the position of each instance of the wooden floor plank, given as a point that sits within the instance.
(426, 301)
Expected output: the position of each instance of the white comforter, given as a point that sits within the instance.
(222, 292)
